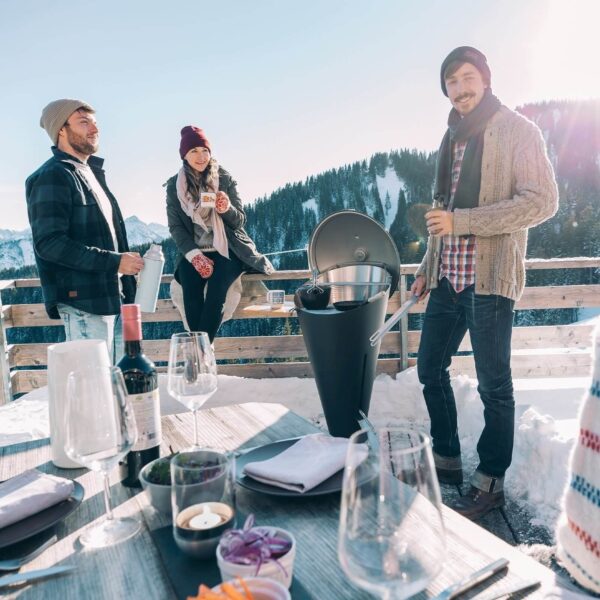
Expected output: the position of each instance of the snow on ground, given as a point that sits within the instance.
(546, 424)
(390, 184)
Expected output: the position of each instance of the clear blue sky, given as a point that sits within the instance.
(283, 89)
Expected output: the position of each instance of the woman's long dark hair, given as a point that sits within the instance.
(200, 181)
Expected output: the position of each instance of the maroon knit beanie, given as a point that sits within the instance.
(192, 137)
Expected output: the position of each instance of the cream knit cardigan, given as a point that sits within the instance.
(578, 530)
(518, 191)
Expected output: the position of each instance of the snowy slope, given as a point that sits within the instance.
(389, 187)
(311, 204)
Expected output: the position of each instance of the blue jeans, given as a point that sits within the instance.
(81, 325)
(489, 321)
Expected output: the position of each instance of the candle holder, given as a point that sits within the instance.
(203, 500)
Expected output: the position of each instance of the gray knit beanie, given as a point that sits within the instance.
(56, 114)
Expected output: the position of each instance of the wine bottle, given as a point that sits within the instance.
(141, 381)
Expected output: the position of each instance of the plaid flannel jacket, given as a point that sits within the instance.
(74, 251)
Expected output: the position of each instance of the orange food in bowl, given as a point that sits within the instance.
(253, 588)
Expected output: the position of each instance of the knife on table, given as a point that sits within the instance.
(33, 575)
(472, 580)
(509, 590)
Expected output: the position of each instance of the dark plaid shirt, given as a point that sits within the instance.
(74, 250)
(458, 252)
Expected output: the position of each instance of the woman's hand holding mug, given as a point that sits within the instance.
(222, 203)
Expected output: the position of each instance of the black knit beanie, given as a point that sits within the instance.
(469, 55)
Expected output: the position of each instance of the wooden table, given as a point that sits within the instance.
(134, 569)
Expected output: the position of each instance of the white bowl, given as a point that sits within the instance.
(261, 588)
(270, 570)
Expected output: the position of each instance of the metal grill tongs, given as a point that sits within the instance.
(393, 320)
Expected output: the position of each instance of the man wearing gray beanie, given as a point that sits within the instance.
(493, 182)
(79, 237)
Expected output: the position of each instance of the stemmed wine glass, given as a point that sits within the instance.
(391, 536)
(192, 372)
(100, 430)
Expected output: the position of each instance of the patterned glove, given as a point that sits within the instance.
(222, 203)
(203, 265)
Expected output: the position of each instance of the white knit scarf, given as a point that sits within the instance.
(204, 216)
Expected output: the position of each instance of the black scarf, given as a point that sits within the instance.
(470, 128)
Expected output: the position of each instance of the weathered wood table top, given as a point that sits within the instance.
(134, 569)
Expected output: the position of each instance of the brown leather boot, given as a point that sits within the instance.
(477, 503)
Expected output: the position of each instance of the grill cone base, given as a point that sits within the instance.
(343, 361)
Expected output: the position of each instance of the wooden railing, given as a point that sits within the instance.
(540, 351)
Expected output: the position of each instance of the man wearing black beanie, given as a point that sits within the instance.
(493, 182)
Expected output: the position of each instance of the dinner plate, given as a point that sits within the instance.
(329, 486)
(29, 526)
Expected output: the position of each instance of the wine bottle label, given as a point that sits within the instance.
(146, 408)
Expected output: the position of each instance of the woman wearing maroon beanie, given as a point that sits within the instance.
(206, 221)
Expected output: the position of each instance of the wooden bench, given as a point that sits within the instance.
(539, 351)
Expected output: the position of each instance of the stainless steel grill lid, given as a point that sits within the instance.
(350, 238)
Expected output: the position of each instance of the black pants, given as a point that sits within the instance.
(205, 312)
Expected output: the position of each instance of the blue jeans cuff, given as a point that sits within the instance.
(487, 483)
(447, 462)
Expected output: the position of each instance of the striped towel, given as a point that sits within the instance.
(578, 529)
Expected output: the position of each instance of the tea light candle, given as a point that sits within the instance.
(205, 516)
(206, 519)
(198, 528)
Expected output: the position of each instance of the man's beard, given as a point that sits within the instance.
(81, 144)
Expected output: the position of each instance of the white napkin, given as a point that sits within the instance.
(303, 466)
(30, 493)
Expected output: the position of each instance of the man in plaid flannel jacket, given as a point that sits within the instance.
(79, 237)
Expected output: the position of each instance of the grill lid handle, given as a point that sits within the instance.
(361, 254)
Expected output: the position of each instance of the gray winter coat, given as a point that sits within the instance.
(240, 243)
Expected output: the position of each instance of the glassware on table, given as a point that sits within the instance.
(203, 500)
(192, 372)
(391, 536)
(99, 431)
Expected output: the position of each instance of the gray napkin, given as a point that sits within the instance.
(303, 466)
(30, 493)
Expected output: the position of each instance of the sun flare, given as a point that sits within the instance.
(566, 49)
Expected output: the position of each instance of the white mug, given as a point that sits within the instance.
(276, 298)
(208, 199)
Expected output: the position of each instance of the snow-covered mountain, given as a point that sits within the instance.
(139, 233)
(9, 234)
(16, 247)
(16, 251)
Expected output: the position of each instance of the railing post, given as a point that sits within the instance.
(5, 387)
(403, 327)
